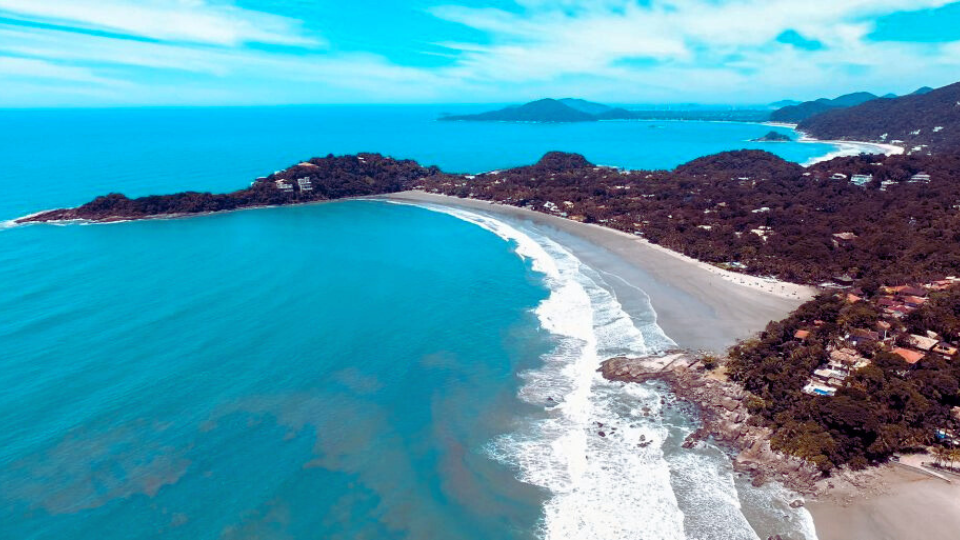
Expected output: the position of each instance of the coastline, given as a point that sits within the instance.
(850, 148)
(844, 148)
(703, 307)
(699, 306)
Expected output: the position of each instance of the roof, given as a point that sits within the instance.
(866, 334)
(923, 343)
(802, 334)
(912, 291)
(909, 355)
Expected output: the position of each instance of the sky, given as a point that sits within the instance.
(65, 53)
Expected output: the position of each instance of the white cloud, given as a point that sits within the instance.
(615, 50)
(32, 69)
(684, 40)
(196, 21)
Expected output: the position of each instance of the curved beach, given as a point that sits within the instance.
(703, 307)
(698, 305)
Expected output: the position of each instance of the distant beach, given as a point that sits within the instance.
(845, 148)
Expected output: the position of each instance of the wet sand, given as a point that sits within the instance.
(697, 305)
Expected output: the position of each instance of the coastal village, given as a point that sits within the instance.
(853, 350)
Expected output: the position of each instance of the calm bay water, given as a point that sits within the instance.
(346, 370)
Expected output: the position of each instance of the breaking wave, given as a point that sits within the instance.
(607, 453)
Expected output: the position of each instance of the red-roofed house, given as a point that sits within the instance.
(910, 356)
(802, 334)
(912, 291)
(914, 301)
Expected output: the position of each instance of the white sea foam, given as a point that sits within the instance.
(621, 484)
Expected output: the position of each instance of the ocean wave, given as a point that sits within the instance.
(603, 450)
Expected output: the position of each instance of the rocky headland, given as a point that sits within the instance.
(724, 416)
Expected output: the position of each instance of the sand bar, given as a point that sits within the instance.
(698, 305)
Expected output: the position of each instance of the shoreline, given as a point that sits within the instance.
(844, 148)
(699, 306)
(893, 501)
(850, 148)
(888, 502)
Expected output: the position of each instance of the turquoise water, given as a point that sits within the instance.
(328, 371)
(76, 155)
(346, 370)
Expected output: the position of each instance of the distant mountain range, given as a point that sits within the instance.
(797, 113)
(794, 112)
(926, 121)
(925, 110)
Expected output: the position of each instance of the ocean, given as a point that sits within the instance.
(356, 369)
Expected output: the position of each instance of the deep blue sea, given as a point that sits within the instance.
(348, 370)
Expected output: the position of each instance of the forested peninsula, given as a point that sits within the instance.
(867, 369)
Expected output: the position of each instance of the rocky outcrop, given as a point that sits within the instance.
(724, 417)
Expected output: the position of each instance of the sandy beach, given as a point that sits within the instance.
(698, 305)
(889, 503)
(851, 148)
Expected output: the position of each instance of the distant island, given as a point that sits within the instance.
(548, 110)
(773, 136)
(580, 110)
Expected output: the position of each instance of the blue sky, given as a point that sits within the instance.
(247, 52)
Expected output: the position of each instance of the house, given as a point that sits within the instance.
(838, 176)
(801, 334)
(884, 327)
(305, 184)
(913, 301)
(284, 186)
(861, 336)
(909, 290)
(898, 311)
(945, 349)
(853, 299)
(920, 178)
(923, 343)
(887, 184)
(844, 280)
(823, 374)
(861, 179)
(909, 356)
(845, 236)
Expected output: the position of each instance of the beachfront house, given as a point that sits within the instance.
(920, 178)
(305, 184)
(284, 186)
